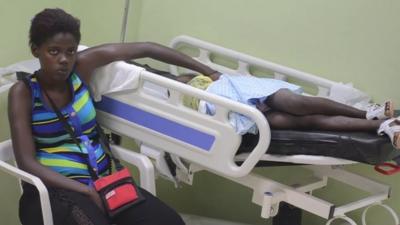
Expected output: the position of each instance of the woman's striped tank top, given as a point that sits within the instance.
(54, 146)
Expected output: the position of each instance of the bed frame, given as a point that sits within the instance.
(201, 142)
(268, 193)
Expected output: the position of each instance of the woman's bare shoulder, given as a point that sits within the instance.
(19, 92)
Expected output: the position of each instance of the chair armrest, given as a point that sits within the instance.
(143, 163)
(43, 193)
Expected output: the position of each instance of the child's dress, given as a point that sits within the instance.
(249, 90)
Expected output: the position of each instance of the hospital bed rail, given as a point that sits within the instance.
(173, 118)
(244, 62)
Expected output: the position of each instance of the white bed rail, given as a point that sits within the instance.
(245, 61)
(220, 157)
(6, 81)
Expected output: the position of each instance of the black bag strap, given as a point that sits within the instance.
(105, 142)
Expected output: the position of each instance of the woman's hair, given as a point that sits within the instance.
(50, 22)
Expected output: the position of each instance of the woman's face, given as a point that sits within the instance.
(57, 56)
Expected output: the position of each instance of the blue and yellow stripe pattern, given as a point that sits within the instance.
(54, 146)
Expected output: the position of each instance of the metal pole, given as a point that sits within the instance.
(125, 21)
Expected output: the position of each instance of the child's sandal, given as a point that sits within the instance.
(380, 112)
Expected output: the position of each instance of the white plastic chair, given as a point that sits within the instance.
(8, 165)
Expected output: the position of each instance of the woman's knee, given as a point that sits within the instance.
(144, 213)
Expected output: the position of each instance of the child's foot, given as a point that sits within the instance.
(380, 112)
(391, 127)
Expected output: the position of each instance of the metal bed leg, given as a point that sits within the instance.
(287, 215)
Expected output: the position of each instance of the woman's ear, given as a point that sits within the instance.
(34, 50)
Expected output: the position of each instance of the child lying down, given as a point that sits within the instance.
(286, 108)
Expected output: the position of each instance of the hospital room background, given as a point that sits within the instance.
(356, 41)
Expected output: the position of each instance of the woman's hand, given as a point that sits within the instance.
(92, 193)
(214, 75)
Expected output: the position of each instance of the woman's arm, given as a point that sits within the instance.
(19, 114)
(89, 59)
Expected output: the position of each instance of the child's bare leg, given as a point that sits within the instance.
(282, 120)
(286, 101)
